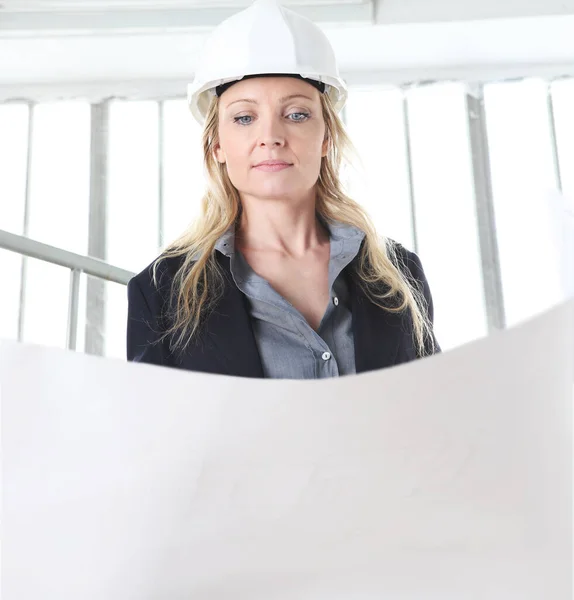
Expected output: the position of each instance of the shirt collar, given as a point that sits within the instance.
(226, 243)
(337, 232)
(342, 231)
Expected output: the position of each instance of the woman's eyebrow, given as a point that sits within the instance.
(284, 99)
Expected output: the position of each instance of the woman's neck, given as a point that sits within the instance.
(278, 227)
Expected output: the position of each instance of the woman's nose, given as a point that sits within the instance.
(271, 134)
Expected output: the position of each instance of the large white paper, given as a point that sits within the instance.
(447, 478)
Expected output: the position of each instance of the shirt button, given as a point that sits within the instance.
(326, 355)
(336, 301)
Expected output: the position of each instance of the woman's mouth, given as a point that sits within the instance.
(272, 166)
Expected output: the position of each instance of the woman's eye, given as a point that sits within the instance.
(299, 116)
(241, 120)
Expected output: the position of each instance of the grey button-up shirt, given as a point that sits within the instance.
(288, 346)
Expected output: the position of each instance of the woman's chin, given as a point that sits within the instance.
(274, 192)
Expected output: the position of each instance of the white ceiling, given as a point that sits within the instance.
(81, 5)
(35, 18)
(127, 49)
(47, 18)
(381, 53)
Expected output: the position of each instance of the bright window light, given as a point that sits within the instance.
(59, 212)
(183, 179)
(446, 220)
(523, 172)
(13, 157)
(380, 180)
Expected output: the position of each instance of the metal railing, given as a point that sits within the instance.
(76, 263)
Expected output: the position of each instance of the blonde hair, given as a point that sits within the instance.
(199, 282)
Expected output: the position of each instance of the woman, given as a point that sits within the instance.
(282, 275)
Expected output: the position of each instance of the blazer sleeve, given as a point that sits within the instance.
(415, 268)
(144, 326)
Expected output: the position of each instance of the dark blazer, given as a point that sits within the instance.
(227, 343)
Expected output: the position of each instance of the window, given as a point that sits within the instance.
(523, 172)
(380, 180)
(414, 175)
(435, 128)
(13, 155)
(57, 212)
(182, 161)
(563, 105)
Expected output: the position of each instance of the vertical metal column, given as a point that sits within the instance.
(161, 208)
(490, 258)
(26, 223)
(407, 134)
(552, 123)
(73, 308)
(96, 289)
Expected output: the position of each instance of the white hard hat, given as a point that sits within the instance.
(265, 38)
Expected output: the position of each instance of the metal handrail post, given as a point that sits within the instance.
(73, 309)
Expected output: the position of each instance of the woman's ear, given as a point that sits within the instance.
(325, 147)
(219, 153)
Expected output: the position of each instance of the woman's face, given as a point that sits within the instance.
(272, 119)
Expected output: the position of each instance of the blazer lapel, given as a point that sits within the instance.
(229, 330)
(378, 334)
